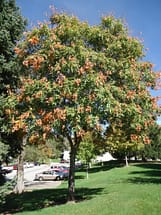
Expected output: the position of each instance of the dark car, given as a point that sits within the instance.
(60, 167)
(63, 174)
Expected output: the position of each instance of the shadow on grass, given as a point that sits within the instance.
(149, 173)
(38, 199)
(103, 166)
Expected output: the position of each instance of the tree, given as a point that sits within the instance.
(86, 151)
(77, 77)
(121, 147)
(153, 150)
(39, 153)
(12, 26)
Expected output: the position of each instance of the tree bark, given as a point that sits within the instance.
(20, 169)
(71, 180)
(87, 170)
(126, 161)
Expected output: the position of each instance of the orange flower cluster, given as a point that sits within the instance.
(148, 123)
(18, 125)
(147, 140)
(81, 71)
(88, 119)
(25, 115)
(34, 61)
(77, 81)
(8, 111)
(80, 133)
(47, 128)
(28, 81)
(138, 128)
(88, 109)
(91, 96)
(75, 97)
(39, 122)
(58, 45)
(80, 109)
(130, 94)
(139, 109)
(60, 114)
(49, 100)
(34, 40)
(102, 77)
(47, 117)
(17, 50)
(60, 79)
(38, 94)
(98, 127)
(34, 138)
(72, 58)
(134, 137)
(88, 65)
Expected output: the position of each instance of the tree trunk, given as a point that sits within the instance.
(20, 169)
(87, 170)
(71, 180)
(126, 161)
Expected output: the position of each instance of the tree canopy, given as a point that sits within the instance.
(78, 78)
(12, 26)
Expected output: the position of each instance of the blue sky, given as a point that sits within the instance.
(143, 18)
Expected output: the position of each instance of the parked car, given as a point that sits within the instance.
(50, 175)
(6, 169)
(64, 161)
(60, 167)
(28, 164)
(64, 174)
(15, 166)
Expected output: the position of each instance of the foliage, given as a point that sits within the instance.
(77, 77)
(153, 150)
(5, 189)
(39, 153)
(12, 26)
(86, 151)
(119, 146)
(4, 150)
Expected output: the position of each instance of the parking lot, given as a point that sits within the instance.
(29, 176)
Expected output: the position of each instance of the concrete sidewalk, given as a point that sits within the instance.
(37, 185)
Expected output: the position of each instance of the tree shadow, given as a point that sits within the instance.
(103, 166)
(151, 173)
(38, 199)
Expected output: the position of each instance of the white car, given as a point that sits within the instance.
(51, 175)
(6, 169)
(28, 165)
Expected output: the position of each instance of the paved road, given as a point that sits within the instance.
(29, 175)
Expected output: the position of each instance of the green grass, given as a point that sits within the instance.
(110, 190)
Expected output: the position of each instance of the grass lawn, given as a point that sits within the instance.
(110, 190)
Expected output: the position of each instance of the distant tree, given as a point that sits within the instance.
(78, 77)
(153, 150)
(37, 153)
(86, 151)
(121, 147)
